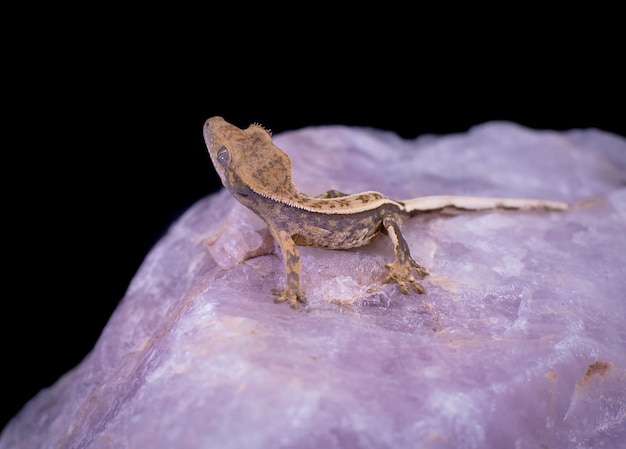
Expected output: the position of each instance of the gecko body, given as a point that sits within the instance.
(258, 175)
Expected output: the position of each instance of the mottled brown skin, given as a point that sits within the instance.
(258, 174)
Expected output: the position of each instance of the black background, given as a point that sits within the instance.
(103, 140)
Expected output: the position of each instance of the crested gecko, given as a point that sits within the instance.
(258, 175)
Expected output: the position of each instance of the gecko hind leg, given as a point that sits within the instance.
(401, 269)
(332, 194)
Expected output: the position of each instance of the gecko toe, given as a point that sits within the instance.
(421, 272)
(294, 300)
(400, 273)
(417, 287)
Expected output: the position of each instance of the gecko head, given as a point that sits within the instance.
(246, 158)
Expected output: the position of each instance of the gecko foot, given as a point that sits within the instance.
(293, 298)
(401, 273)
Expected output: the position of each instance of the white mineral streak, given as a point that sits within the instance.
(519, 341)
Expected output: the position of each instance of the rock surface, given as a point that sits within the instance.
(518, 342)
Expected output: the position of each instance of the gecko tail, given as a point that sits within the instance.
(430, 203)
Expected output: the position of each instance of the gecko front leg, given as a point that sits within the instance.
(401, 269)
(291, 291)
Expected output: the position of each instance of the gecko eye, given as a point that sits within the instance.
(222, 156)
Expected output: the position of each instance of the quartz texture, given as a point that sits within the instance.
(518, 342)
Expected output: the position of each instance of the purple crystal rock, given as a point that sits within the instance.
(519, 341)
